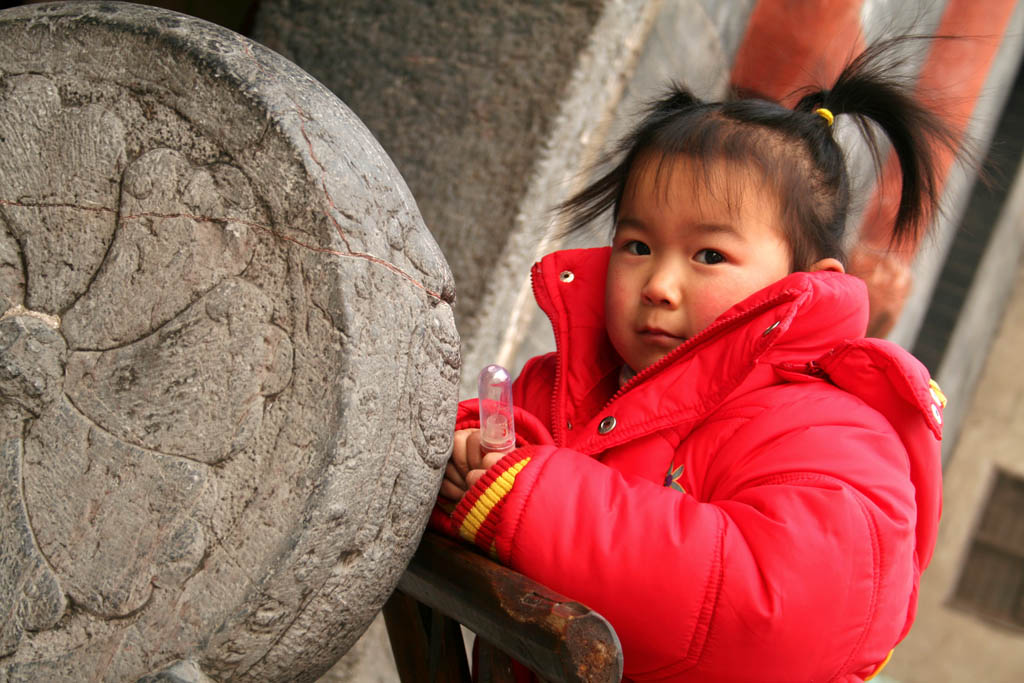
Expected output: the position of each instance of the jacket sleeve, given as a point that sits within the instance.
(789, 570)
(529, 431)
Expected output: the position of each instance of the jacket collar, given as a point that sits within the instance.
(763, 329)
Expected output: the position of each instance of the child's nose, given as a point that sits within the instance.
(663, 288)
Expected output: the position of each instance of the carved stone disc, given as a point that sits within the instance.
(228, 364)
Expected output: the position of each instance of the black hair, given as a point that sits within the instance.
(795, 150)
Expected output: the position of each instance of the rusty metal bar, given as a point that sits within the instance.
(557, 638)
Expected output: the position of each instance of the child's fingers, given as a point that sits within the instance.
(459, 450)
(451, 491)
(490, 459)
(452, 474)
(474, 458)
(472, 477)
(453, 486)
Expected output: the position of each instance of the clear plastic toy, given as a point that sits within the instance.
(497, 424)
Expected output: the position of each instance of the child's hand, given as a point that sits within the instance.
(454, 485)
(467, 464)
(485, 464)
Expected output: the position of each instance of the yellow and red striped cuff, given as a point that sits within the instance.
(477, 514)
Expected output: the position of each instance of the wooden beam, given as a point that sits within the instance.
(557, 638)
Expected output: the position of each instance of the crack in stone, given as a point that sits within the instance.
(25, 505)
(303, 118)
(239, 565)
(25, 204)
(228, 219)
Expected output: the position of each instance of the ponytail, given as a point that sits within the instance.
(870, 89)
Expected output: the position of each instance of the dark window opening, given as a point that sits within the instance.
(992, 582)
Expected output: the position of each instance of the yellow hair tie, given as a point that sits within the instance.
(827, 115)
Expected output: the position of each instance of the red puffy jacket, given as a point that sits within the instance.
(757, 506)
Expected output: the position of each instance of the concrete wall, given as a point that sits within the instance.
(946, 643)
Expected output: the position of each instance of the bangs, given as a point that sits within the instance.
(725, 182)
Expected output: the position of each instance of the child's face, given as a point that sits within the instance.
(688, 244)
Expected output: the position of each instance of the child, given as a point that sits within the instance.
(715, 458)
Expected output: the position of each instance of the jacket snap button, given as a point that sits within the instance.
(770, 328)
(606, 425)
(566, 276)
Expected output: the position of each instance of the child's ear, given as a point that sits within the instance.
(827, 264)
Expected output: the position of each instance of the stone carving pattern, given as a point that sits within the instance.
(176, 363)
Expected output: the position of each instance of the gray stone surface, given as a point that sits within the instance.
(185, 671)
(228, 361)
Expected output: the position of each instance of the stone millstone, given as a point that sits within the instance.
(228, 364)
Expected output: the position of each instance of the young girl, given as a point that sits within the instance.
(715, 458)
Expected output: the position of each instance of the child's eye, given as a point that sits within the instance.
(638, 248)
(709, 257)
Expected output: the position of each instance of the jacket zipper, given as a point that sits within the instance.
(557, 418)
(709, 331)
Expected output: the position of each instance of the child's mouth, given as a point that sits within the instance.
(660, 337)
